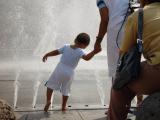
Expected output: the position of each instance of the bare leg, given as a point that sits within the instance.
(139, 99)
(110, 95)
(48, 101)
(119, 104)
(64, 102)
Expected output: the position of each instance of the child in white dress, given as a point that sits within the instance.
(62, 77)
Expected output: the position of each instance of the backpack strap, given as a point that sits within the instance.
(140, 30)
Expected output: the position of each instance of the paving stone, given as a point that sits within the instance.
(150, 108)
(93, 114)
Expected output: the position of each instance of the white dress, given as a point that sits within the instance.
(62, 77)
(117, 12)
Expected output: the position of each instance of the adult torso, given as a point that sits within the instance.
(117, 12)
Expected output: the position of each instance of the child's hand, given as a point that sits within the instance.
(44, 58)
(97, 50)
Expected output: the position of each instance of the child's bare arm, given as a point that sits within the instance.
(52, 53)
(88, 56)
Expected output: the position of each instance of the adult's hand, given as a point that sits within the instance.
(97, 46)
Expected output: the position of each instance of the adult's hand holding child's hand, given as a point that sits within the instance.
(97, 50)
(97, 47)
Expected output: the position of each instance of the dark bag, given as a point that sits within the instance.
(128, 67)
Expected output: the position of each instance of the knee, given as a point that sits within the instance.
(133, 87)
(125, 95)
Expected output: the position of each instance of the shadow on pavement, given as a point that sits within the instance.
(103, 118)
(34, 116)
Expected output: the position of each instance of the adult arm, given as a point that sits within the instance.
(104, 18)
(104, 15)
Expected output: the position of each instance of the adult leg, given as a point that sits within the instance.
(139, 99)
(64, 102)
(119, 104)
(48, 101)
(112, 79)
(149, 80)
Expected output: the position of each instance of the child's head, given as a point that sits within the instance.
(82, 40)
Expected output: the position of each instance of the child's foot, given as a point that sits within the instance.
(63, 110)
(47, 106)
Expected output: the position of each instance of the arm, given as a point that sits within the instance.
(104, 14)
(90, 55)
(52, 53)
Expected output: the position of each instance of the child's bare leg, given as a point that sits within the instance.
(64, 102)
(48, 101)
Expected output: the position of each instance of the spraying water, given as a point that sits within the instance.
(100, 88)
(36, 87)
(16, 85)
(47, 41)
(18, 17)
(32, 28)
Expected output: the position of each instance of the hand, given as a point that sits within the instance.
(97, 47)
(45, 58)
(97, 50)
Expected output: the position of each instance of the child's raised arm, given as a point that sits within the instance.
(52, 53)
(88, 56)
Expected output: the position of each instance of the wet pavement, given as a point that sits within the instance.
(69, 115)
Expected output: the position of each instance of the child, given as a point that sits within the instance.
(62, 77)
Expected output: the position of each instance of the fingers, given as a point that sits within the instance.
(97, 47)
(97, 50)
(44, 59)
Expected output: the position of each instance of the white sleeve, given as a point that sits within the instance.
(81, 53)
(61, 50)
(101, 4)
